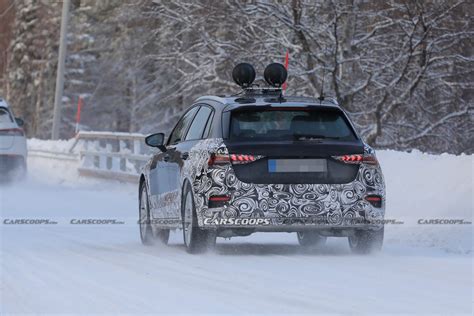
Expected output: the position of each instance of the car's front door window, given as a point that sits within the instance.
(180, 129)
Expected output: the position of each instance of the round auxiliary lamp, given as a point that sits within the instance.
(275, 75)
(243, 75)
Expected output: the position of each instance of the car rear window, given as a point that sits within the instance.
(304, 124)
(5, 116)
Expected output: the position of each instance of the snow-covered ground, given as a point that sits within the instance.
(66, 268)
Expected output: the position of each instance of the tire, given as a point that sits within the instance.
(366, 241)
(16, 171)
(196, 239)
(146, 231)
(310, 239)
(22, 170)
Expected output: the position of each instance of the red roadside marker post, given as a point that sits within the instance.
(287, 57)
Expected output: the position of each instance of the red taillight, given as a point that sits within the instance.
(12, 132)
(242, 159)
(358, 159)
(238, 159)
(375, 200)
(219, 198)
(218, 159)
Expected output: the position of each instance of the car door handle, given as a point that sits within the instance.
(184, 156)
(166, 158)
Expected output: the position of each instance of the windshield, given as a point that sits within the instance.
(305, 124)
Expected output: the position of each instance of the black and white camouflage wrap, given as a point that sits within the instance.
(337, 204)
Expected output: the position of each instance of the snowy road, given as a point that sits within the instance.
(104, 268)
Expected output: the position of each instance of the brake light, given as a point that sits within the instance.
(236, 159)
(218, 159)
(242, 159)
(375, 200)
(218, 200)
(12, 132)
(358, 159)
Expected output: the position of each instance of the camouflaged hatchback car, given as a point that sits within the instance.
(262, 162)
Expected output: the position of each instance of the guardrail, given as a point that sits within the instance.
(108, 155)
(111, 155)
(52, 155)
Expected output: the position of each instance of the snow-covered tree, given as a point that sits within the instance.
(401, 68)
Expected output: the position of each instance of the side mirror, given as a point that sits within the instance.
(19, 121)
(156, 140)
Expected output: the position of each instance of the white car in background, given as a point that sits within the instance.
(13, 150)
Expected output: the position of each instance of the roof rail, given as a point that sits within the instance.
(329, 99)
(220, 99)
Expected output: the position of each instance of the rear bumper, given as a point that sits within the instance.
(16, 146)
(323, 221)
(371, 218)
(290, 207)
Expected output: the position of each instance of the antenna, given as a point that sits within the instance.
(321, 94)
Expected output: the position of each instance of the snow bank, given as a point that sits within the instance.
(423, 187)
(420, 184)
(61, 146)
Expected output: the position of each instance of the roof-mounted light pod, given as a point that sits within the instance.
(275, 75)
(243, 75)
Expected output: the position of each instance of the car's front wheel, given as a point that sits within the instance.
(146, 231)
(196, 239)
(366, 241)
(311, 239)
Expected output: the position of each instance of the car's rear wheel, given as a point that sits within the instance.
(13, 168)
(22, 172)
(146, 231)
(196, 239)
(20, 169)
(311, 239)
(366, 241)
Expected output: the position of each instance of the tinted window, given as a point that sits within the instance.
(208, 126)
(290, 124)
(5, 116)
(178, 132)
(196, 130)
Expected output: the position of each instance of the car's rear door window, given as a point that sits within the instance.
(207, 129)
(196, 130)
(292, 124)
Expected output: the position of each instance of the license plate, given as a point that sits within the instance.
(297, 165)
